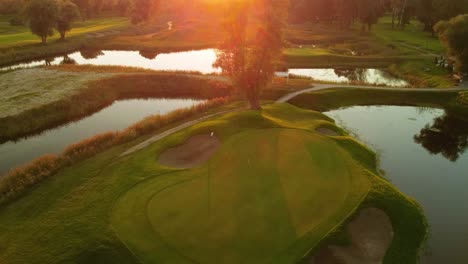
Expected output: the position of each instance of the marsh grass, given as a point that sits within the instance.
(102, 93)
(19, 180)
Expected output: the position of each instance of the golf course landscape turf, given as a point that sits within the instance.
(271, 193)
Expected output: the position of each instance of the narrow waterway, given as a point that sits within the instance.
(118, 116)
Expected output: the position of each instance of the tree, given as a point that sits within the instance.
(346, 11)
(142, 10)
(250, 63)
(369, 12)
(447, 136)
(84, 6)
(446, 9)
(123, 6)
(431, 11)
(426, 14)
(453, 34)
(68, 12)
(42, 17)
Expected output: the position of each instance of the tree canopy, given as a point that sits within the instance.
(68, 12)
(250, 62)
(42, 16)
(454, 35)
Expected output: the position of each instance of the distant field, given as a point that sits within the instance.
(14, 36)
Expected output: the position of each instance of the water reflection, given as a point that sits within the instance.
(438, 184)
(195, 60)
(118, 116)
(67, 60)
(448, 136)
(91, 53)
(367, 76)
(149, 54)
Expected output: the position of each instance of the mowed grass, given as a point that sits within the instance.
(265, 202)
(157, 37)
(15, 36)
(412, 35)
(271, 193)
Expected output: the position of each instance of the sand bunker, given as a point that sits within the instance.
(371, 235)
(195, 151)
(326, 131)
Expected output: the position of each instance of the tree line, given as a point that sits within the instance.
(45, 16)
(346, 12)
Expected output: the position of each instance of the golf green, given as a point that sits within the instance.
(266, 196)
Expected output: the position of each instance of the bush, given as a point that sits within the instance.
(463, 98)
(453, 34)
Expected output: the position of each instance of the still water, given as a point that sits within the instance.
(367, 76)
(423, 152)
(195, 60)
(202, 61)
(118, 116)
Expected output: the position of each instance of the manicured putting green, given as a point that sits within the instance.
(267, 196)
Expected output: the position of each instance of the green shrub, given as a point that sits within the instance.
(463, 98)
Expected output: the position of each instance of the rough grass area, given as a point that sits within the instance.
(412, 38)
(423, 73)
(407, 53)
(38, 99)
(157, 37)
(27, 89)
(250, 203)
(331, 99)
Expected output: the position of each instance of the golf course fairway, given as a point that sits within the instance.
(271, 191)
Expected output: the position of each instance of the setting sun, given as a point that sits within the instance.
(233, 131)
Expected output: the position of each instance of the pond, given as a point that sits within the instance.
(118, 116)
(423, 154)
(202, 61)
(195, 60)
(366, 76)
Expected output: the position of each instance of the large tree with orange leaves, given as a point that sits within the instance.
(253, 44)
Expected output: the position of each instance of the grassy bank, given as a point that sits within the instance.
(408, 54)
(337, 98)
(17, 43)
(20, 180)
(65, 94)
(409, 224)
(413, 39)
(116, 201)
